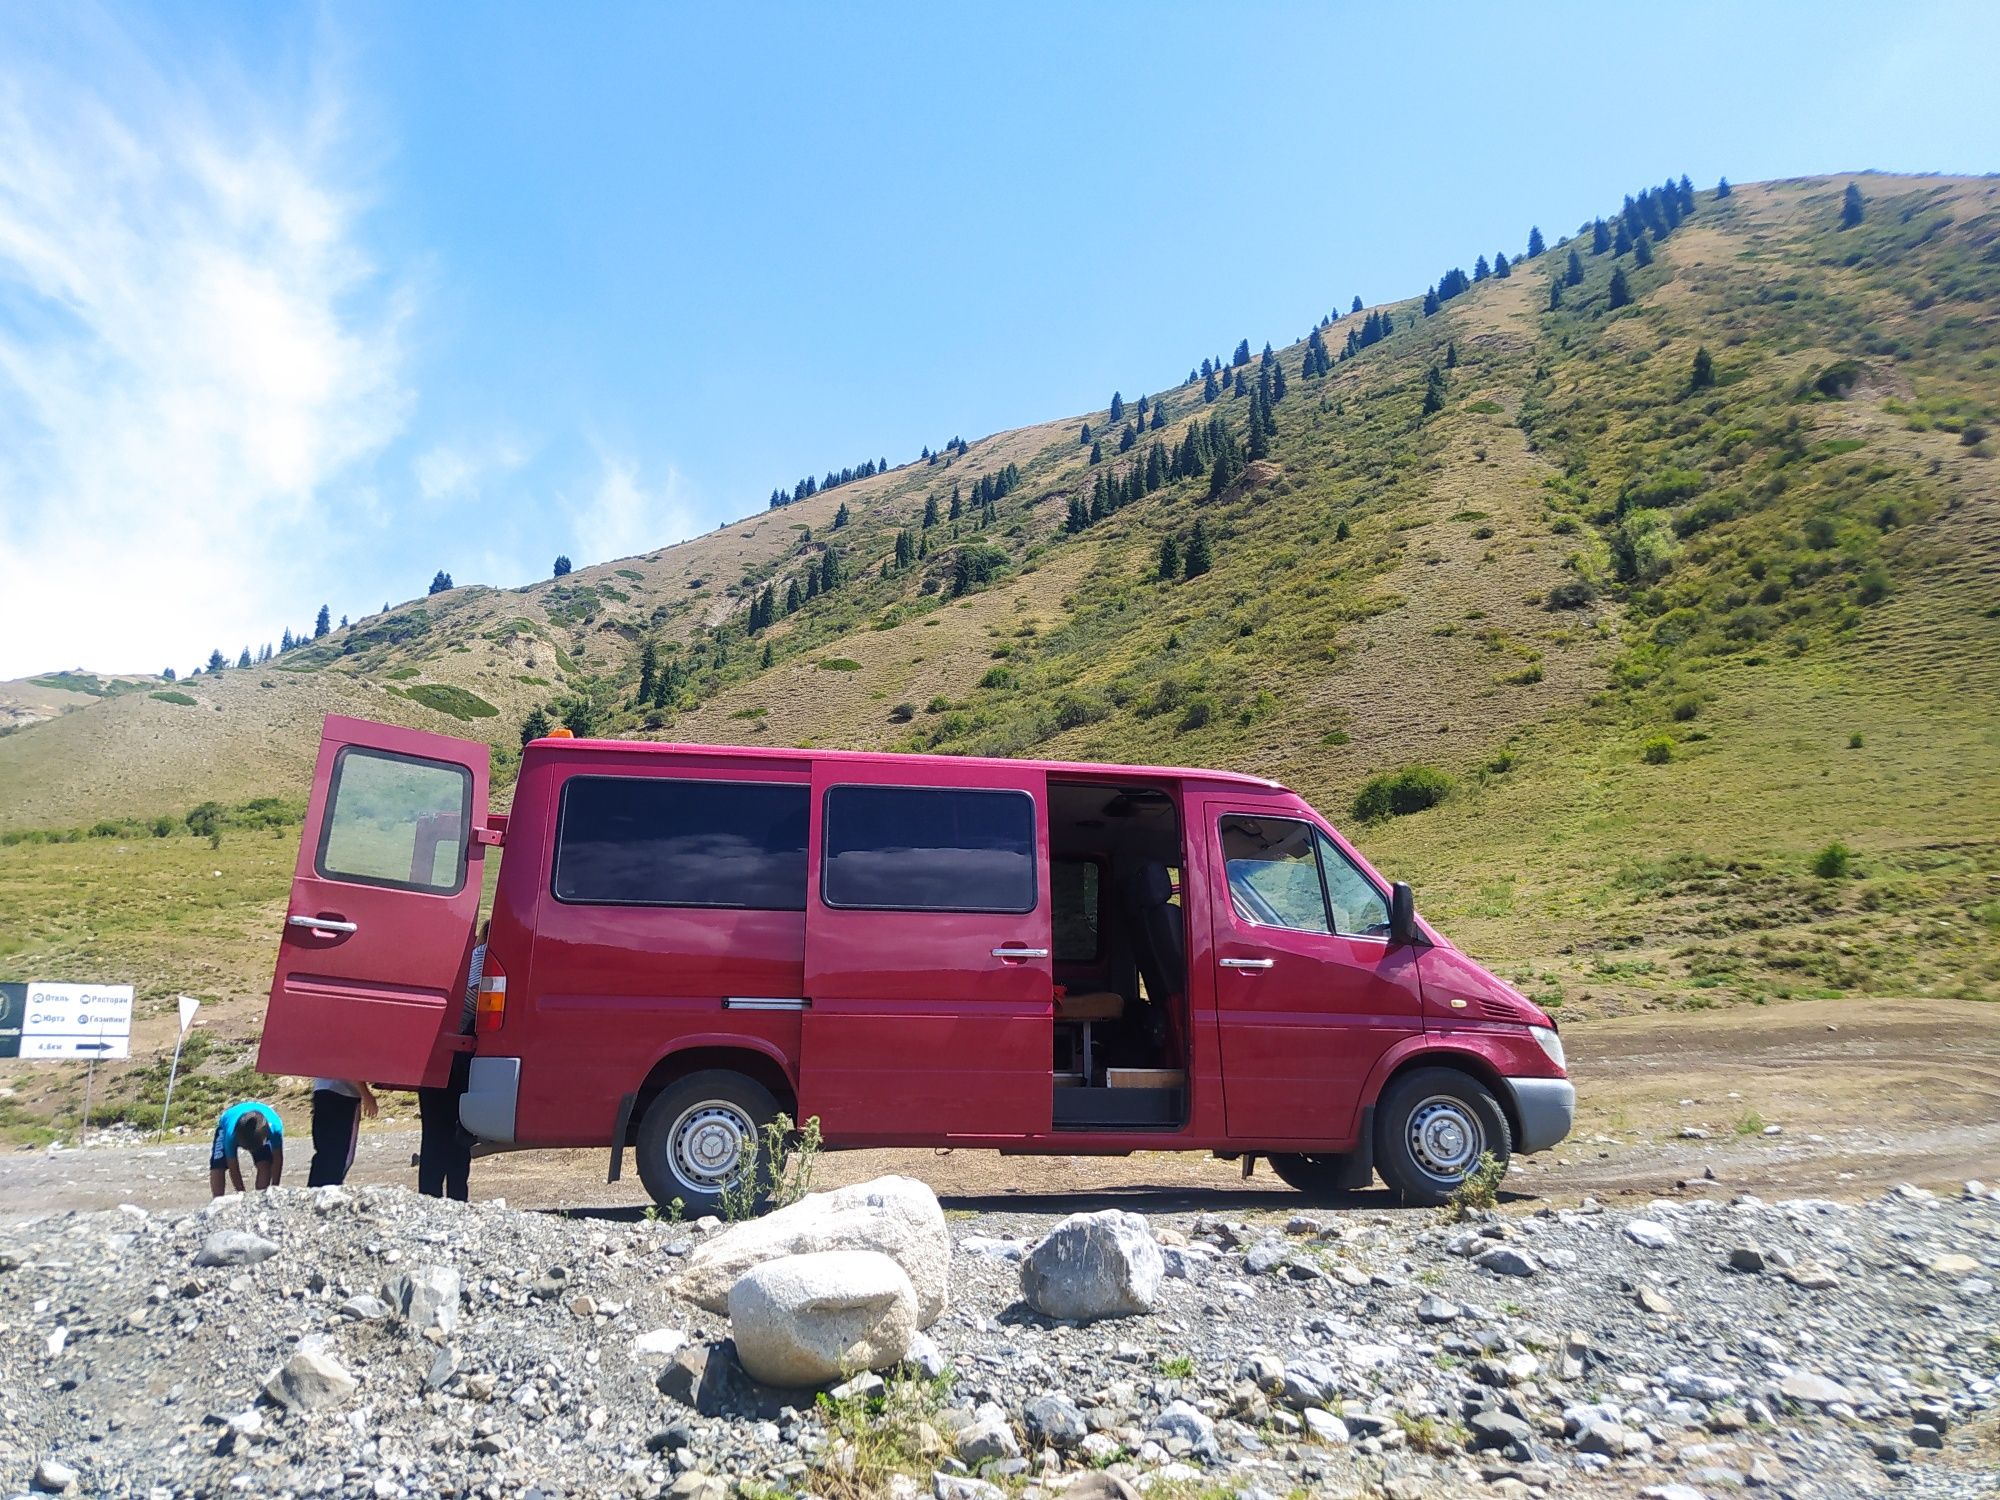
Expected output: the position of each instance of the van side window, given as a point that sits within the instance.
(1358, 907)
(1073, 885)
(893, 848)
(1273, 871)
(397, 821)
(660, 841)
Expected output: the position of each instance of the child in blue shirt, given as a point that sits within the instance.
(249, 1126)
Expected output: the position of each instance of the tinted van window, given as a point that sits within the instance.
(653, 841)
(394, 820)
(929, 849)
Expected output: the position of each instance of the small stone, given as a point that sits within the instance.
(1325, 1426)
(309, 1380)
(1649, 1234)
(584, 1306)
(53, 1477)
(1926, 1436)
(658, 1343)
(1812, 1277)
(1954, 1266)
(1891, 1450)
(442, 1369)
(1492, 1428)
(234, 1247)
(1651, 1299)
(1054, 1421)
(988, 1439)
(1813, 1390)
(1435, 1309)
(426, 1298)
(1506, 1260)
(1746, 1258)
(669, 1439)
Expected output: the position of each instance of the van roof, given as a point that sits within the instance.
(788, 753)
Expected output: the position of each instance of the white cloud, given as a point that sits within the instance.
(623, 516)
(450, 471)
(194, 354)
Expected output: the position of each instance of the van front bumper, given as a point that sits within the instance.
(1545, 1108)
(492, 1088)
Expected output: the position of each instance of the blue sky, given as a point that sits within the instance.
(300, 305)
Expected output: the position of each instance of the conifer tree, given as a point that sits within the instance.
(1851, 207)
(1621, 293)
(840, 516)
(1622, 245)
(1451, 355)
(1209, 389)
(562, 559)
(1434, 389)
(1117, 408)
(1083, 438)
(930, 511)
(1722, 188)
(1199, 558)
(1600, 237)
(649, 659)
(1702, 376)
(1501, 270)
(217, 661)
(1170, 558)
(769, 657)
(1555, 294)
(1079, 513)
(1357, 305)
(440, 581)
(536, 726)
(1573, 273)
(1687, 196)
(1430, 302)
(957, 509)
(1277, 381)
(1642, 252)
(1480, 270)
(829, 573)
(244, 659)
(1127, 438)
(285, 642)
(1535, 245)
(906, 550)
(794, 598)
(323, 623)
(1159, 415)
(1097, 453)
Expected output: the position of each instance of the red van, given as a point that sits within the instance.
(1030, 956)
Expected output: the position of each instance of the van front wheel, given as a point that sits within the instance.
(699, 1134)
(1431, 1128)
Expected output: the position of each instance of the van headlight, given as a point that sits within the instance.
(1551, 1044)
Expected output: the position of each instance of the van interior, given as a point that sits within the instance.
(1120, 956)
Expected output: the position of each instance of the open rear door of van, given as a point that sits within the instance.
(378, 934)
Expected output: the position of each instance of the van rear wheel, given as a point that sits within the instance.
(700, 1134)
(1431, 1128)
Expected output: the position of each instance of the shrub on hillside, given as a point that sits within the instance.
(455, 701)
(1832, 862)
(1575, 594)
(1396, 794)
(1658, 750)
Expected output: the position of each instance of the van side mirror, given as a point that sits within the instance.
(1403, 914)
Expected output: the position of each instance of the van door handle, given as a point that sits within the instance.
(322, 924)
(1246, 963)
(1020, 953)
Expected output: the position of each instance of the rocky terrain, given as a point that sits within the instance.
(370, 1342)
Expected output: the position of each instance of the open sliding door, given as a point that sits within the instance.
(928, 982)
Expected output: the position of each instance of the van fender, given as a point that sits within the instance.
(726, 1041)
(1483, 1055)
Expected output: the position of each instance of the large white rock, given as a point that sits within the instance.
(896, 1216)
(1101, 1265)
(309, 1380)
(808, 1319)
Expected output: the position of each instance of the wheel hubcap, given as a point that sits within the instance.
(707, 1145)
(1445, 1137)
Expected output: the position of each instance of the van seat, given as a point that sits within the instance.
(1090, 1005)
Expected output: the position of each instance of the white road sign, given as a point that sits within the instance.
(189, 1005)
(77, 1020)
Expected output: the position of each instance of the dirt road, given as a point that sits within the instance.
(1864, 1094)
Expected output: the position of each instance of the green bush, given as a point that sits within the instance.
(902, 713)
(1854, 740)
(1685, 709)
(1658, 750)
(173, 696)
(1396, 794)
(455, 701)
(1832, 862)
(1198, 714)
(840, 664)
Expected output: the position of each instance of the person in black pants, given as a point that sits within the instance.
(337, 1107)
(444, 1151)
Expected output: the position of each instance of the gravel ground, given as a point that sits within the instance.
(1678, 1348)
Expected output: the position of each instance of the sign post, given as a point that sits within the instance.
(90, 1021)
(188, 1007)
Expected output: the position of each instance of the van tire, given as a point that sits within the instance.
(1431, 1127)
(690, 1131)
(1319, 1176)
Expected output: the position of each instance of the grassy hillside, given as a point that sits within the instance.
(1670, 641)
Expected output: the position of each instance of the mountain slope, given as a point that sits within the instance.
(1670, 640)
